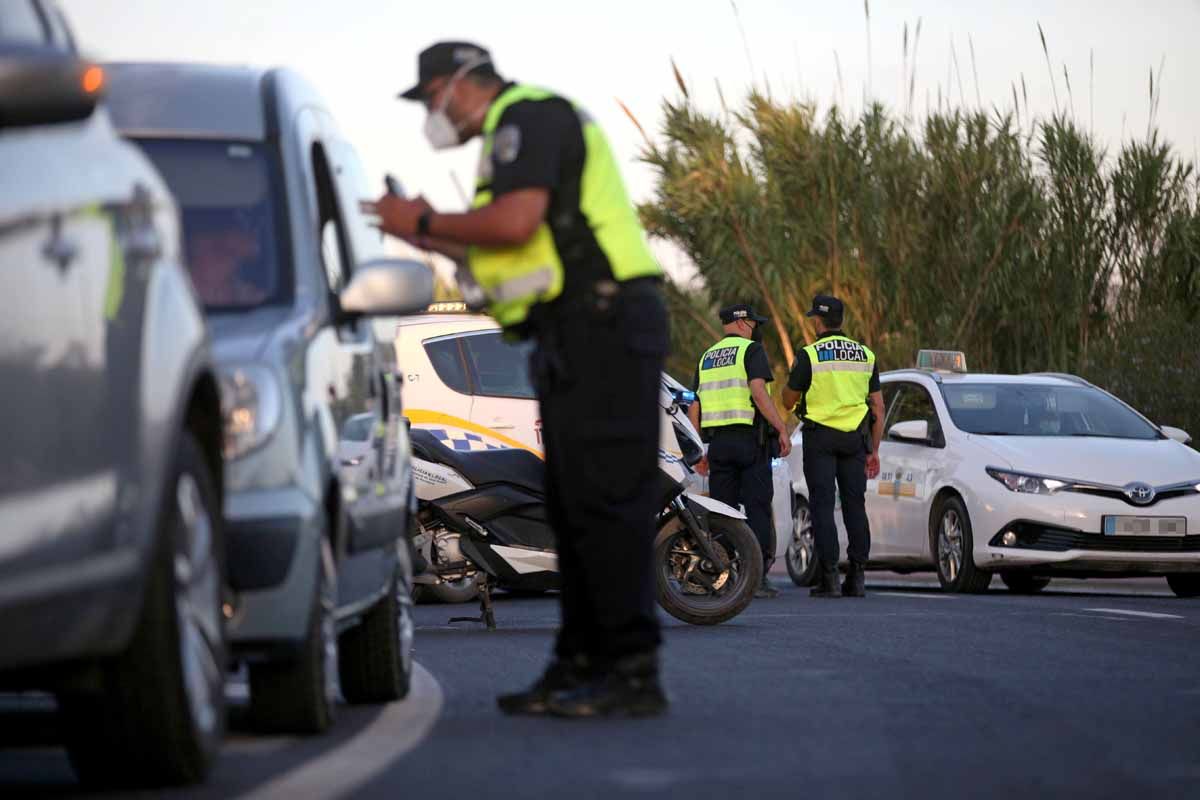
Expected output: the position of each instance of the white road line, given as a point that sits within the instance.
(915, 594)
(398, 729)
(1146, 614)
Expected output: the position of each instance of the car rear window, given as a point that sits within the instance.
(227, 196)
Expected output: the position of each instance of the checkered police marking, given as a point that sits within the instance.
(463, 442)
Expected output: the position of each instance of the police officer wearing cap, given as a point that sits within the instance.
(556, 247)
(734, 413)
(836, 381)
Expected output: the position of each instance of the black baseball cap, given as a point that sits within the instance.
(442, 59)
(731, 314)
(825, 305)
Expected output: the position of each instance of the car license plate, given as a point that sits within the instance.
(1145, 526)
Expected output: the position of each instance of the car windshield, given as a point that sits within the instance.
(358, 428)
(224, 190)
(1028, 409)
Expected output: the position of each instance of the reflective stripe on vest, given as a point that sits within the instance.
(724, 387)
(516, 278)
(841, 380)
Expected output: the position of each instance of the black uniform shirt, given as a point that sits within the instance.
(800, 378)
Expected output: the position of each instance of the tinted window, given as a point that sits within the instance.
(226, 192)
(913, 404)
(501, 368)
(448, 363)
(1015, 409)
(20, 23)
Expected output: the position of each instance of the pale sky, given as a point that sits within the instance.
(360, 53)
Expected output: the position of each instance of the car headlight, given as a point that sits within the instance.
(251, 404)
(1025, 483)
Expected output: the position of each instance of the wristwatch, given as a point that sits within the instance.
(423, 222)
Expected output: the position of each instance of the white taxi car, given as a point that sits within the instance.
(1028, 476)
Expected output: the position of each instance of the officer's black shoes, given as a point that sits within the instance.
(765, 589)
(827, 585)
(561, 675)
(855, 583)
(629, 689)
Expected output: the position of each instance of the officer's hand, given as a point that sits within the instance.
(702, 466)
(872, 466)
(785, 444)
(397, 215)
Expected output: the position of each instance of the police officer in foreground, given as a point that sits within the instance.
(557, 248)
(736, 416)
(837, 381)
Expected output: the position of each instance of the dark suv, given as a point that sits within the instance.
(111, 557)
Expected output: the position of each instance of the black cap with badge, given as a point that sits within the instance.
(731, 314)
(444, 59)
(826, 306)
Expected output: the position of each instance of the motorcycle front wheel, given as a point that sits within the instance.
(690, 586)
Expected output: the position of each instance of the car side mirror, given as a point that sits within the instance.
(916, 430)
(388, 287)
(1178, 434)
(42, 86)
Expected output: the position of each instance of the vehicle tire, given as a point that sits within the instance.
(953, 550)
(463, 590)
(299, 695)
(160, 714)
(1024, 583)
(1185, 584)
(371, 668)
(801, 555)
(675, 553)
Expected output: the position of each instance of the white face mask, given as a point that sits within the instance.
(440, 130)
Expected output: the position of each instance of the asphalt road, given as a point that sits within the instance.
(1088, 690)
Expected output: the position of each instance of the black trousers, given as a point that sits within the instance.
(832, 456)
(739, 473)
(598, 371)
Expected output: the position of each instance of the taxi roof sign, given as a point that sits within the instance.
(448, 307)
(942, 360)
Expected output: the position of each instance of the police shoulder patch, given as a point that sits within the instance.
(506, 145)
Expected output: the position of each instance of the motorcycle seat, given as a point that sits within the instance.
(482, 467)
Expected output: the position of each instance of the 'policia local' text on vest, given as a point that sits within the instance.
(841, 380)
(724, 389)
(516, 278)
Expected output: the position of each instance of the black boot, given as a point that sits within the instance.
(855, 583)
(629, 688)
(765, 589)
(827, 585)
(560, 676)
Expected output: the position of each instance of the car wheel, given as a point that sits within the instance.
(370, 658)
(300, 695)
(801, 555)
(1185, 584)
(1024, 583)
(160, 715)
(953, 548)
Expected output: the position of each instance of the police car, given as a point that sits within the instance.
(472, 390)
(1028, 476)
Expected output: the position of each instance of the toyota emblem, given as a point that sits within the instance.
(1141, 494)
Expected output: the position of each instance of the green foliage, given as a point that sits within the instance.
(1029, 248)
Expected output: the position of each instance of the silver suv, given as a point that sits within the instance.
(110, 436)
(290, 275)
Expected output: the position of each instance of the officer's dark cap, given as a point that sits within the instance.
(826, 306)
(731, 314)
(443, 59)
